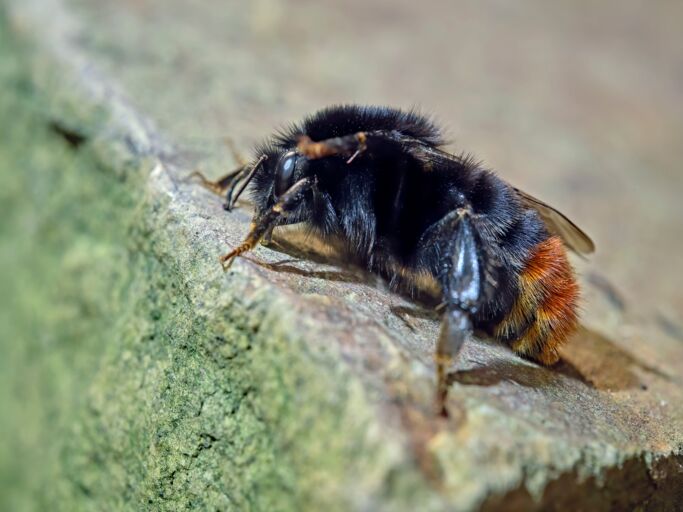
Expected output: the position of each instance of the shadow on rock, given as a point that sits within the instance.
(589, 358)
(339, 276)
(518, 372)
(604, 363)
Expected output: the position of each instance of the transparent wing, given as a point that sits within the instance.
(558, 223)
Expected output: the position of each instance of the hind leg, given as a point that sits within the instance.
(456, 327)
(454, 250)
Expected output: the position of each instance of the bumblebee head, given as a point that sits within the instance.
(281, 169)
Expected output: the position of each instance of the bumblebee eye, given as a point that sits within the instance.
(284, 172)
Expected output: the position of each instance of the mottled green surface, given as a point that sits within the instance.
(60, 244)
(136, 375)
(120, 390)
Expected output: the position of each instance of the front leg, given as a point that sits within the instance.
(263, 224)
(227, 185)
(246, 177)
(221, 185)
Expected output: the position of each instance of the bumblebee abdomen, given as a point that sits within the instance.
(545, 311)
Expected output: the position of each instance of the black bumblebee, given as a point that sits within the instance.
(377, 178)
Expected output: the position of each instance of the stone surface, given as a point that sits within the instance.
(137, 375)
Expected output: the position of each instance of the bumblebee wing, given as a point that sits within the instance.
(558, 223)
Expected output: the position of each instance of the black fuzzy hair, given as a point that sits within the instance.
(339, 120)
(336, 121)
(407, 210)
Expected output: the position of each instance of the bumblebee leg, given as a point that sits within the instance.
(236, 155)
(263, 224)
(227, 185)
(221, 185)
(350, 146)
(456, 237)
(456, 326)
(245, 177)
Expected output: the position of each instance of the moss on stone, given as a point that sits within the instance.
(63, 275)
(126, 383)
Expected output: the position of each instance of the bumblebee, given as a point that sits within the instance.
(377, 179)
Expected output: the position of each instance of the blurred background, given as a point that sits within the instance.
(577, 102)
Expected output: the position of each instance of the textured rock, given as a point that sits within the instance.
(137, 375)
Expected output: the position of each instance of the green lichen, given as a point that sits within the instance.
(132, 378)
(62, 223)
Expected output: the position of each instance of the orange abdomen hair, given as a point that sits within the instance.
(545, 312)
